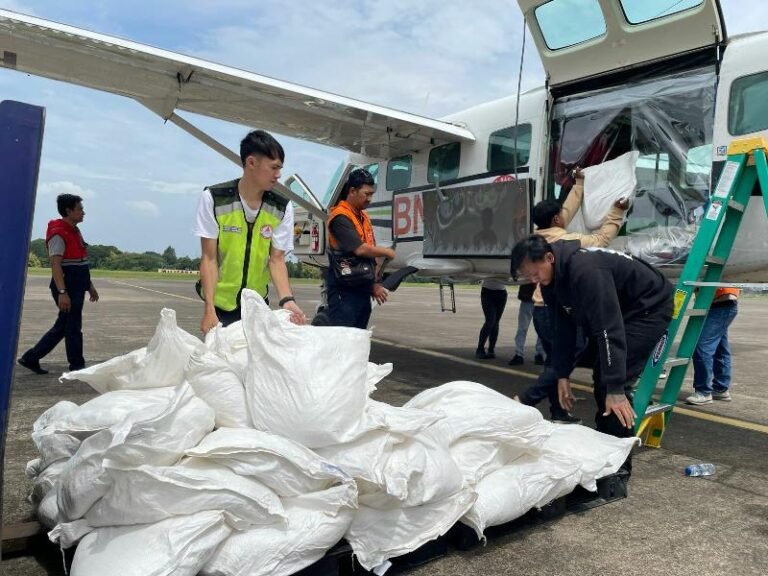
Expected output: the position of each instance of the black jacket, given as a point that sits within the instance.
(600, 290)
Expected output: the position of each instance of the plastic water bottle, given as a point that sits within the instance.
(700, 470)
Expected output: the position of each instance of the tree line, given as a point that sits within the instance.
(103, 257)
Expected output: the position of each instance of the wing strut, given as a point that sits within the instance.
(217, 146)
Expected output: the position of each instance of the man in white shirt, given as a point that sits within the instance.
(245, 230)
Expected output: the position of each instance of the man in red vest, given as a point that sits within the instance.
(71, 279)
(352, 278)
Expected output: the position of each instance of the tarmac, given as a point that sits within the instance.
(670, 524)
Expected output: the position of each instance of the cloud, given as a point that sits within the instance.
(145, 207)
(176, 188)
(64, 187)
(16, 6)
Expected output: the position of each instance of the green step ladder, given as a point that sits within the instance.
(703, 271)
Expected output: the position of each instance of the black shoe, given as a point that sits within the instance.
(74, 368)
(483, 355)
(491, 354)
(517, 360)
(539, 360)
(33, 365)
(565, 418)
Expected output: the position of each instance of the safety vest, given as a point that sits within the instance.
(243, 246)
(75, 251)
(722, 294)
(360, 219)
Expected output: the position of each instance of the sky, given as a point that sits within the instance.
(140, 178)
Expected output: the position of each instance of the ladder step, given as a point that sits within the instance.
(696, 312)
(658, 409)
(672, 362)
(736, 206)
(716, 260)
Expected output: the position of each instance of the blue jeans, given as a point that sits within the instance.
(712, 357)
(524, 317)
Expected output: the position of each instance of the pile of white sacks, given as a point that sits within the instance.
(258, 450)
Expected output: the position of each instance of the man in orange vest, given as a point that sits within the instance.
(352, 277)
(71, 279)
(712, 357)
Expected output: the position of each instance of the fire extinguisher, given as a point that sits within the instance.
(314, 238)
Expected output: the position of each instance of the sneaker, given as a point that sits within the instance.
(539, 360)
(483, 355)
(724, 396)
(75, 368)
(565, 418)
(491, 354)
(699, 398)
(517, 360)
(33, 365)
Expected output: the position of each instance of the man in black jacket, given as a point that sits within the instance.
(624, 306)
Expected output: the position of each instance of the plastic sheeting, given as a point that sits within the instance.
(669, 121)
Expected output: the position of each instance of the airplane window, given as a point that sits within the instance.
(399, 173)
(565, 23)
(641, 11)
(443, 162)
(501, 148)
(333, 184)
(748, 106)
(374, 170)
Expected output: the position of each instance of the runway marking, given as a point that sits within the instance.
(156, 291)
(725, 420)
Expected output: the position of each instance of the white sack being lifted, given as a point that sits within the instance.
(161, 363)
(307, 383)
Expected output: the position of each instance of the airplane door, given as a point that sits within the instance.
(742, 112)
(309, 226)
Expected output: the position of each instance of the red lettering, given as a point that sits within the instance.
(418, 214)
(402, 209)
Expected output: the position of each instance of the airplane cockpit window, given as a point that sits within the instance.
(566, 23)
(748, 104)
(641, 11)
(667, 121)
(503, 147)
(443, 163)
(399, 172)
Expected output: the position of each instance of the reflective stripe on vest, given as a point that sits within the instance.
(243, 246)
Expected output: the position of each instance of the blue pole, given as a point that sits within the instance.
(21, 139)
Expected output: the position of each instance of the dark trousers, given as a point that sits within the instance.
(493, 303)
(349, 307)
(68, 327)
(227, 317)
(546, 383)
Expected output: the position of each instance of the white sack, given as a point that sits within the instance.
(179, 546)
(474, 410)
(307, 383)
(149, 494)
(364, 460)
(606, 183)
(48, 509)
(158, 439)
(528, 482)
(229, 344)
(378, 535)
(400, 420)
(283, 465)
(476, 457)
(598, 454)
(376, 373)
(43, 482)
(213, 380)
(53, 447)
(54, 413)
(316, 522)
(106, 410)
(419, 470)
(161, 365)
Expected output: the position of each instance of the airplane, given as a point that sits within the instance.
(658, 78)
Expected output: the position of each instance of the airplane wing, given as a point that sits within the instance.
(165, 82)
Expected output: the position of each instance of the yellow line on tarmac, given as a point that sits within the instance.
(156, 291)
(725, 420)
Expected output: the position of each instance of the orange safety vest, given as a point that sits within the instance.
(720, 293)
(360, 219)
